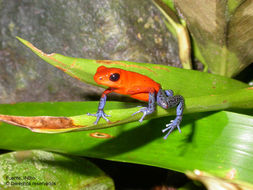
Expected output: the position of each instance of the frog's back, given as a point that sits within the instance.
(140, 83)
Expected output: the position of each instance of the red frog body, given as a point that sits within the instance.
(139, 87)
(130, 83)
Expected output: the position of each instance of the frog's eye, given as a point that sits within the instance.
(114, 77)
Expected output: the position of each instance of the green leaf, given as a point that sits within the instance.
(223, 32)
(237, 99)
(188, 83)
(202, 92)
(45, 170)
(214, 142)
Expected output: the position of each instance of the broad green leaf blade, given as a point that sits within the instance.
(188, 83)
(237, 99)
(223, 31)
(214, 142)
(45, 170)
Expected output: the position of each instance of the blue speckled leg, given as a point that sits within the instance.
(179, 101)
(100, 113)
(166, 100)
(151, 107)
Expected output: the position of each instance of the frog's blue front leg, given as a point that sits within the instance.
(100, 113)
(166, 100)
(151, 106)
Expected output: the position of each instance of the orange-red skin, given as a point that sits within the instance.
(130, 83)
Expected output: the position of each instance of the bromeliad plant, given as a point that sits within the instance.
(216, 142)
(212, 92)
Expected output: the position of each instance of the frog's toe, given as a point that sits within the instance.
(96, 122)
(99, 114)
(144, 110)
(141, 110)
(171, 126)
(143, 116)
(104, 116)
(90, 114)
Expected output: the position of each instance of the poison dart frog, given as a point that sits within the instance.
(140, 87)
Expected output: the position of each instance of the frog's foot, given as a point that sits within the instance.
(172, 125)
(99, 114)
(145, 111)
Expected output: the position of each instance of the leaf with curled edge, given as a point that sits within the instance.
(188, 83)
(237, 99)
(202, 91)
(51, 124)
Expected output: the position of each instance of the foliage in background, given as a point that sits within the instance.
(222, 32)
(38, 169)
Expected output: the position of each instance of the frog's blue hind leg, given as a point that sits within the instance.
(151, 106)
(166, 99)
(179, 102)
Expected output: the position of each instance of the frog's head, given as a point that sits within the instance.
(111, 77)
